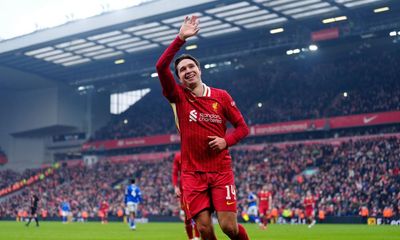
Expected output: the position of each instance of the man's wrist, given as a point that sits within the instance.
(181, 37)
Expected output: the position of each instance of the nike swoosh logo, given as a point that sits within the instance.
(367, 120)
(230, 203)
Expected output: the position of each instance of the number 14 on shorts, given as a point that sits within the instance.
(230, 194)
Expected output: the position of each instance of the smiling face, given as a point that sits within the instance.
(189, 73)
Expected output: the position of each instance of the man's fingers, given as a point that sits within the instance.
(213, 141)
(216, 148)
(194, 19)
(214, 144)
(186, 19)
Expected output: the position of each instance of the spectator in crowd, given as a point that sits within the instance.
(343, 177)
(345, 85)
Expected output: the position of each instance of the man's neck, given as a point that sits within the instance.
(198, 90)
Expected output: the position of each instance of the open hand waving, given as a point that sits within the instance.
(189, 28)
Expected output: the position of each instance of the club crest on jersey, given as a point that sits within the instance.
(215, 106)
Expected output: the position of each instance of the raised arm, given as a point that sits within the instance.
(189, 28)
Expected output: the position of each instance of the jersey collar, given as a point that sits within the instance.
(206, 90)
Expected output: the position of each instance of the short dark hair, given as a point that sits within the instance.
(132, 181)
(185, 56)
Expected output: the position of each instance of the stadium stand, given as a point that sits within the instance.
(344, 175)
(9, 177)
(312, 89)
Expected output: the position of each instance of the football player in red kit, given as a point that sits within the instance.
(190, 225)
(265, 205)
(309, 206)
(201, 114)
(104, 206)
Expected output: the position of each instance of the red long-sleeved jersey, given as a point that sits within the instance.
(309, 202)
(199, 117)
(264, 198)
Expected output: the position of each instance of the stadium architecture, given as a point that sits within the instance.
(317, 82)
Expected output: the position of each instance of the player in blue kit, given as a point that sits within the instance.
(252, 209)
(65, 211)
(133, 197)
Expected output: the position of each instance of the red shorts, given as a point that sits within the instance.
(214, 191)
(104, 212)
(309, 212)
(263, 210)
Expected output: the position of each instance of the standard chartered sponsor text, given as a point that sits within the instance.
(207, 117)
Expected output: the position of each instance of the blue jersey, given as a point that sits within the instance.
(251, 199)
(133, 194)
(65, 207)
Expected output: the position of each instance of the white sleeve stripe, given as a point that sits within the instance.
(207, 91)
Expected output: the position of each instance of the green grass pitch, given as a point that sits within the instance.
(175, 231)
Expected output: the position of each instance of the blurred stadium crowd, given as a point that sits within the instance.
(267, 92)
(344, 177)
